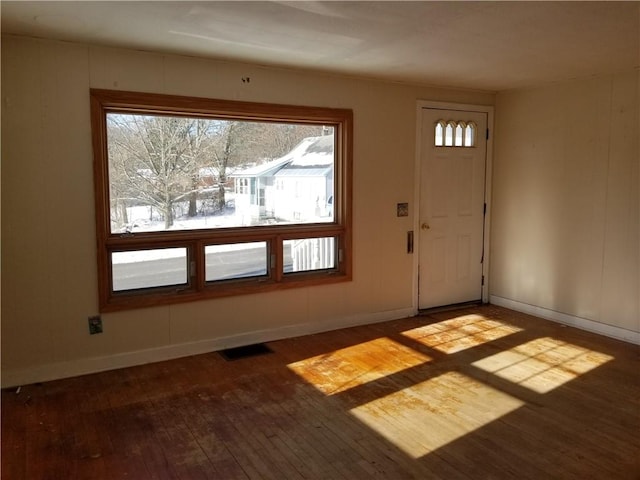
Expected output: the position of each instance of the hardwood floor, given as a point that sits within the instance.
(478, 393)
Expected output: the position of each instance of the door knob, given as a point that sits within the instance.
(425, 226)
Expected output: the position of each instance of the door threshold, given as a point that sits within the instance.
(447, 308)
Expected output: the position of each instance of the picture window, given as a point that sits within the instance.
(199, 198)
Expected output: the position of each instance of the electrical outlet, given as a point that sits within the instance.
(95, 325)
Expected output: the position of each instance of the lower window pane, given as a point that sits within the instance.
(309, 254)
(149, 268)
(236, 260)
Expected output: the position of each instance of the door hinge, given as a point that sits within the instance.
(482, 281)
(487, 134)
(484, 209)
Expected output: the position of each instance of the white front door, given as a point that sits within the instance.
(452, 206)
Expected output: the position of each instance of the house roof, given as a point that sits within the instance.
(265, 169)
(313, 151)
(290, 171)
(313, 156)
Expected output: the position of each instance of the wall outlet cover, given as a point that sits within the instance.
(95, 325)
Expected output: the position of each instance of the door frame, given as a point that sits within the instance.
(489, 110)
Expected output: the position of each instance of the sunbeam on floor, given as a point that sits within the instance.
(348, 367)
(426, 416)
(460, 333)
(542, 364)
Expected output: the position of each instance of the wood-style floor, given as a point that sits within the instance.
(479, 393)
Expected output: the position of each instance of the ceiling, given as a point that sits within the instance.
(480, 45)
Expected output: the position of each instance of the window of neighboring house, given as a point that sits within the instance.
(166, 236)
(242, 186)
(253, 191)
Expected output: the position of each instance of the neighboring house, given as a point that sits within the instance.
(208, 183)
(297, 187)
(210, 177)
(207, 177)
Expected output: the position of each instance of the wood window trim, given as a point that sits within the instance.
(110, 101)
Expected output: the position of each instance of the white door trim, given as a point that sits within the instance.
(489, 110)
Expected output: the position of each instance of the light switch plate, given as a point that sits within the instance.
(403, 210)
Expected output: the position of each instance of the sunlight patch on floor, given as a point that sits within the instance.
(460, 333)
(424, 417)
(356, 365)
(543, 364)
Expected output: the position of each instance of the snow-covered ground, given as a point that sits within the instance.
(147, 219)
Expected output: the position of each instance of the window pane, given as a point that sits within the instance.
(439, 134)
(238, 260)
(469, 135)
(308, 254)
(180, 173)
(459, 133)
(448, 137)
(149, 268)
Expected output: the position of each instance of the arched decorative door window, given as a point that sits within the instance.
(440, 134)
(459, 134)
(455, 133)
(448, 134)
(470, 135)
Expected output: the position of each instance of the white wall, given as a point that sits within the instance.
(564, 238)
(49, 281)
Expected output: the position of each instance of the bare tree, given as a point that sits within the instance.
(232, 142)
(156, 158)
(200, 146)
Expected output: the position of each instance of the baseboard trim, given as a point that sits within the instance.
(84, 366)
(571, 320)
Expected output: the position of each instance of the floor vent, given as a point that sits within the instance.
(247, 351)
